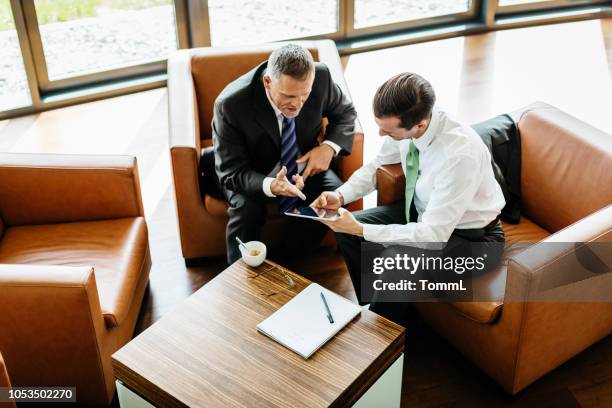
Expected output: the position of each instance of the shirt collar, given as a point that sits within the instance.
(277, 111)
(426, 138)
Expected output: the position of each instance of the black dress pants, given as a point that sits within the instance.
(350, 246)
(247, 216)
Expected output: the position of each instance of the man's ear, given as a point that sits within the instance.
(267, 80)
(422, 124)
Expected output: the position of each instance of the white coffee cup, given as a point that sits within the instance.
(253, 246)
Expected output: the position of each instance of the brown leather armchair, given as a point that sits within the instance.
(5, 382)
(566, 197)
(74, 266)
(195, 78)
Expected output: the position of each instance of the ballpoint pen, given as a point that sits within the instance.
(329, 315)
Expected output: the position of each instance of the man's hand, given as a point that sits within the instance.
(345, 223)
(282, 186)
(329, 200)
(318, 159)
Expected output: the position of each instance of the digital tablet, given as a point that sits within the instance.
(305, 211)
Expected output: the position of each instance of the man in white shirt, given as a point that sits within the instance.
(451, 191)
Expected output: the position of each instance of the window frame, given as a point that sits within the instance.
(97, 76)
(353, 32)
(192, 26)
(201, 13)
(545, 5)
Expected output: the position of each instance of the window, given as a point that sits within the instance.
(14, 92)
(515, 2)
(59, 52)
(79, 37)
(256, 21)
(379, 12)
(517, 6)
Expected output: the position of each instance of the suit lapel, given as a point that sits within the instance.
(264, 114)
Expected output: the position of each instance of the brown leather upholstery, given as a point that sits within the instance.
(66, 188)
(390, 183)
(195, 78)
(518, 237)
(116, 249)
(213, 69)
(567, 198)
(71, 279)
(524, 231)
(5, 382)
(563, 161)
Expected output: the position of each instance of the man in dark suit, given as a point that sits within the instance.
(265, 132)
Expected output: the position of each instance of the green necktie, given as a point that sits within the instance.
(412, 172)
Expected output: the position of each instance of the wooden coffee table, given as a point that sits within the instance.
(208, 352)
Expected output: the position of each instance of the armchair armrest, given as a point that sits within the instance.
(184, 135)
(51, 188)
(566, 266)
(390, 183)
(183, 116)
(549, 306)
(53, 325)
(5, 382)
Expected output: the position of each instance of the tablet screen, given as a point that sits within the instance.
(307, 211)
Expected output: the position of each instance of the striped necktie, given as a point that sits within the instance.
(412, 173)
(289, 154)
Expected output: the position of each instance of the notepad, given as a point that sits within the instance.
(301, 324)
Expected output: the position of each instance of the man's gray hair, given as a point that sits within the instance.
(292, 60)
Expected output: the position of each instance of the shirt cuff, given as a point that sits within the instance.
(267, 186)
(333, 146)
(346, 192)
(372, 232)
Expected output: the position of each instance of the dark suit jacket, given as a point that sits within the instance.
(501, 135)
(245, 130)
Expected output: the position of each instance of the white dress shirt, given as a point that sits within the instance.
(455, 188)
(267, 182)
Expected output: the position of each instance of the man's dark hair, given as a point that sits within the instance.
(292, 60)
(408, 96)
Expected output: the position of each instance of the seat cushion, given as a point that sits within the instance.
(117, 250)
(525, 231)
(518, 237)
(215, 206)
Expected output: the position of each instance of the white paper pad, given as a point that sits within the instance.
(301, 325)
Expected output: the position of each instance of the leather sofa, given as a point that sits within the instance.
(195, 78)
(5, 382)
(74, 266)
(566, 183)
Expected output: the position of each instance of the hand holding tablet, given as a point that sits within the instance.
(324, 208)
(319, 214)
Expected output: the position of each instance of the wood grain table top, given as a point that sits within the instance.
(208, 353)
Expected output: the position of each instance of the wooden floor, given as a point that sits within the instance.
(567, 65)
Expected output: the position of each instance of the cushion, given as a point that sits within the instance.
(215, 206)
(525, 231)
(117, 250)
(214, 69)
(518, 237)
(566, 168)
